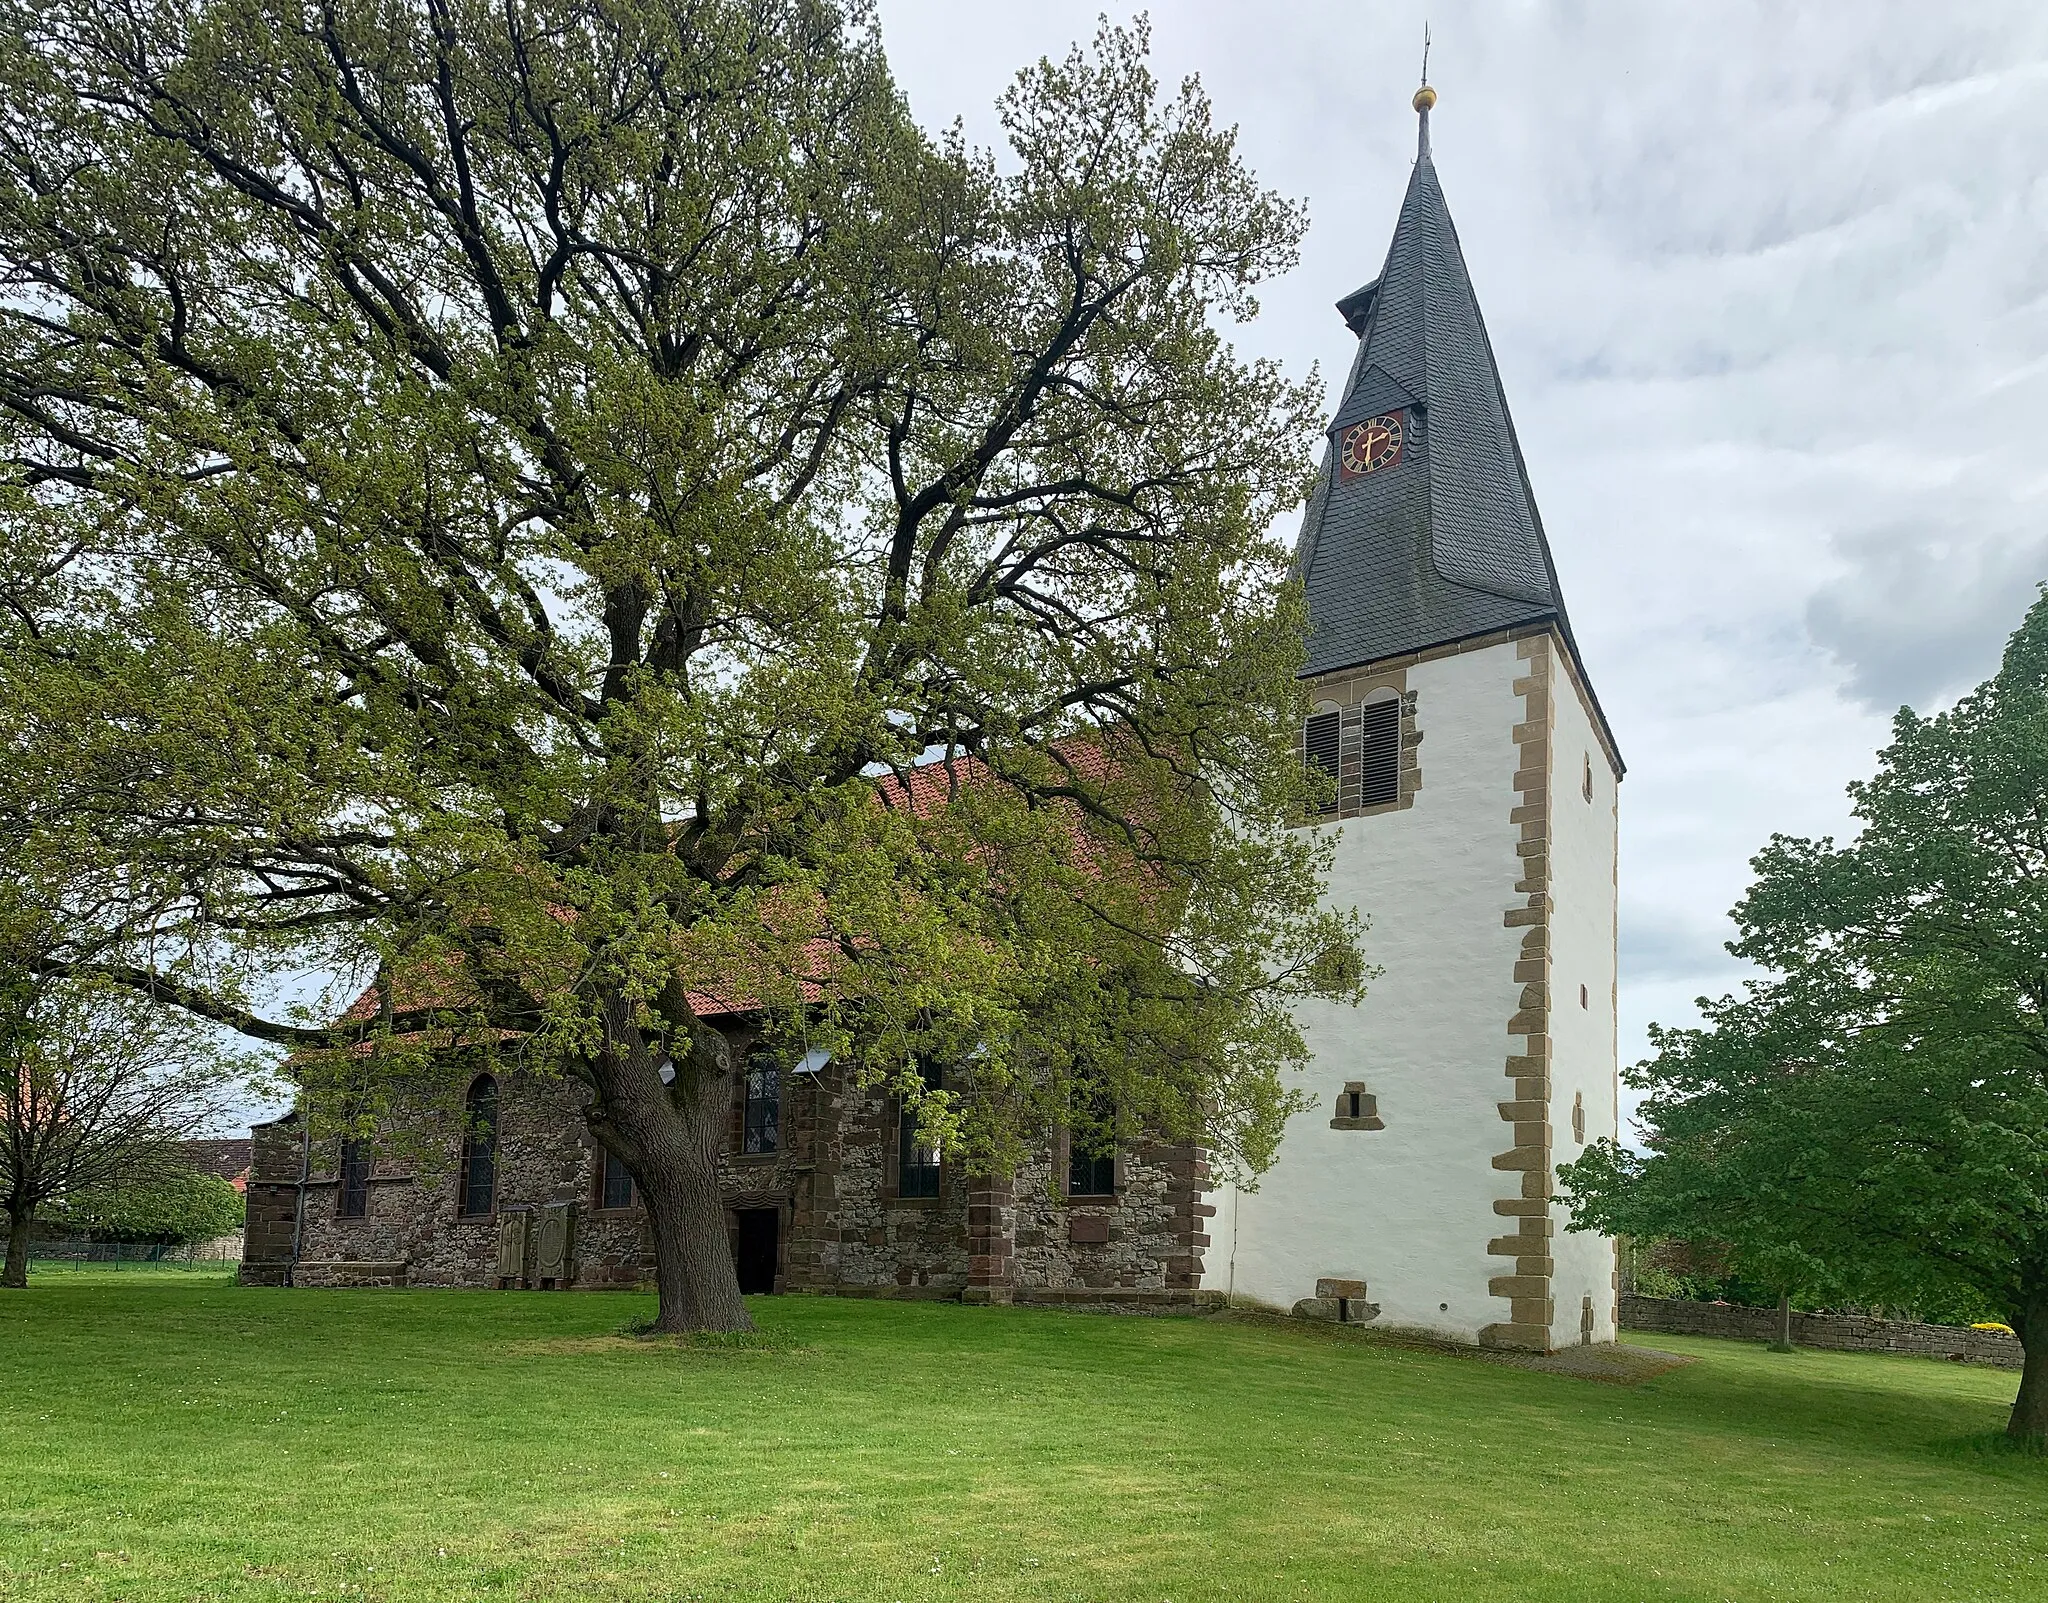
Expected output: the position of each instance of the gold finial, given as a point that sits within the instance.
(1425, 97)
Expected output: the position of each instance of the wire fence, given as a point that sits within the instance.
(215, 1254)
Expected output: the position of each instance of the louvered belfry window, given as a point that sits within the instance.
(1319, 746)
(1379, 753)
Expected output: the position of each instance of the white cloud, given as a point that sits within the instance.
(1769, 290)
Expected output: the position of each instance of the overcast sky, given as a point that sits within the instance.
(1766, 285)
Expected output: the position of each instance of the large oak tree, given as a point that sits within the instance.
(503, 496)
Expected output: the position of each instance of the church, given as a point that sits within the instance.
(1474, 816)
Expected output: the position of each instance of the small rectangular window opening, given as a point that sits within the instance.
(1320, 749)
(1587, 785)
(1352, 1101)
(1379, 753)
(1091, 1154)
(1583, 1002)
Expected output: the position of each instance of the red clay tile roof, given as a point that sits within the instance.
(925, 789)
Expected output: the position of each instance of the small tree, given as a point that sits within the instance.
(1874, 1112)
(98, 1087)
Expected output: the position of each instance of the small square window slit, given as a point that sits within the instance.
(1357, 1109)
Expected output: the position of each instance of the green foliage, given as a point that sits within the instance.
(172, 1207)
(1869, 1120)
(1653, 1280)
(499, 497)
(1660, 1272)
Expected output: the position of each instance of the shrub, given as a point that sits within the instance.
(174, 1208)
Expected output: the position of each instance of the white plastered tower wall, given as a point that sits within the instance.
(1417, 1191)
(1487, 906)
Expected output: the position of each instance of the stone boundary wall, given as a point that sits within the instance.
(1829, 1332)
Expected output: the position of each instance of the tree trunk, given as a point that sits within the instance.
(694, 1275)
(2029, 1422)
(669, 1137)
(1784, 1342)
(16, 1273)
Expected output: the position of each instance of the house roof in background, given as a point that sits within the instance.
(225, 1159)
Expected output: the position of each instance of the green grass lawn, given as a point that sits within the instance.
(171, 1436)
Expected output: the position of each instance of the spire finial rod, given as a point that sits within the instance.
(1425, 97)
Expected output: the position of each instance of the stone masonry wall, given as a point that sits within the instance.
(411, 1233)
(1142, 1245)
(861, 1236)
(844, 1228)
(1829, 1332)
(271, 1202)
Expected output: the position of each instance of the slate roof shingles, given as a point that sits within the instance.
(1446, 544)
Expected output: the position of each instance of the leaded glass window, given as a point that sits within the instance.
(1089, 1173)
(761, 1125)
(1091, 1148)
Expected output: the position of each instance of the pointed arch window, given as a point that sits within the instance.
(761, 1126)
(352, 1195)
(477, 1183)
(917, 1166)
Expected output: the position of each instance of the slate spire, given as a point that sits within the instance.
(1423, 529)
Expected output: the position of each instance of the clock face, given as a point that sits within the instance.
(1369, 446)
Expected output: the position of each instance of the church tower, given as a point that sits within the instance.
(1474, 815)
